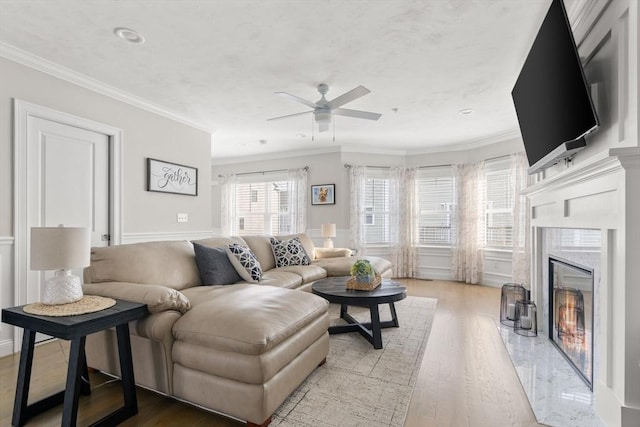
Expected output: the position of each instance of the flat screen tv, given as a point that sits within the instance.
(551, 95)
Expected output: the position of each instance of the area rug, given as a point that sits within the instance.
(361, 386)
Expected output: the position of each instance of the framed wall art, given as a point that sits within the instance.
(166, 177)
(324, 194)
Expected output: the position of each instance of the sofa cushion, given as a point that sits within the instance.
(249, 368)
(214, 266)
(341, 266)
(289, 252)
(220, 242)
(261, 247)
(247, 319)
(332, 252)
(309, 273)
(281, 279)
(245, 262)
(157, 298)
(170, 264)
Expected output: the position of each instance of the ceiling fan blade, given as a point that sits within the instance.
(323, 126)
(296, 98)
(290, 115)
(356, 113)
(352, 95)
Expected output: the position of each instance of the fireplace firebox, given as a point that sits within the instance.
(571, 314)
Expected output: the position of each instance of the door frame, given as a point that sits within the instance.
(22, 112)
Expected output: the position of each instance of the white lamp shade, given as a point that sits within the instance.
(60, 248)
(328, 230)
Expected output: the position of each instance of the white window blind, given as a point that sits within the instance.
(499, 209)
(262, 207)
(376, 208)
(436, 193)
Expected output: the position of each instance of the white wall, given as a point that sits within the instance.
(145, 134)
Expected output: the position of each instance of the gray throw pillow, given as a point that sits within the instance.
(214, 266)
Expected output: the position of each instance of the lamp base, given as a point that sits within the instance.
(62, 288)
(328, 243)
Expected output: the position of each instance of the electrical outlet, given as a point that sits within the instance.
(183, 217)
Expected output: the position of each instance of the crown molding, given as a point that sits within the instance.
(372, 150)
(583, 15)
(273, 156)
(470, 144)
(44, 65)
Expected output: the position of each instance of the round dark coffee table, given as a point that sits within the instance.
(334, 290)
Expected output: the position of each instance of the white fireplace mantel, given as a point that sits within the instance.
(602, 192)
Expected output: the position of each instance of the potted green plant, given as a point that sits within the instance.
(363, 271)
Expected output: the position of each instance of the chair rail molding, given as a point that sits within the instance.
(156, 236)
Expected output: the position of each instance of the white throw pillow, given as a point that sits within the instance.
(289, 252)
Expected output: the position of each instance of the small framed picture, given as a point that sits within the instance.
(173, 178)
(324, 194)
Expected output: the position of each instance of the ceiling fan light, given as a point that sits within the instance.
(323, 117)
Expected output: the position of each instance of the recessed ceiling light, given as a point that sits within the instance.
(466, 111)
(129, 35)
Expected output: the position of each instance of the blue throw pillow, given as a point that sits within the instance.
(214, 266)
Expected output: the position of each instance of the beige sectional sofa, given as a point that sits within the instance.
(239, 349)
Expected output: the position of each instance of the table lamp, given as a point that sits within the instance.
(328, 231)
(61, 249)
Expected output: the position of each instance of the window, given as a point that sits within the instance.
(499, 208)
(376, 202)
(369, 219)
(263, 208)
(436, 194)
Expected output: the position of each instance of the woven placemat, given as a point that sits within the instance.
(88, 304)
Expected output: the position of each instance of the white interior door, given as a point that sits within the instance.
(68, 183)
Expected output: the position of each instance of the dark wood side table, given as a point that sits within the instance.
(334, 290)
(75, 329)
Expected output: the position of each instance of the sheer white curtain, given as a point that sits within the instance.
(469, 214)
(291, 213)
(403, 215)
(297, 179)
(521, 253)
(228, 204)
(357, 208)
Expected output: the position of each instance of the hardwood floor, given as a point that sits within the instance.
(466, 378)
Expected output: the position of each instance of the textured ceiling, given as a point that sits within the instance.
(218, 63)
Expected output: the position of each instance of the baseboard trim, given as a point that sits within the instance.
(6, 347)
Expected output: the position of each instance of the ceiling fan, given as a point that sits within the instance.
(323, 109)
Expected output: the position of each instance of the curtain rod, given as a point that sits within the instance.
(348, 166)
(306, 168)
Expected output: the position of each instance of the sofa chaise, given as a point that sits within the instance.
(236, 348)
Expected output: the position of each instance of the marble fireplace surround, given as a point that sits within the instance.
(600, 193)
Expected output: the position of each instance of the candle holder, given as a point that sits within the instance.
(511, 292)
(526, 322)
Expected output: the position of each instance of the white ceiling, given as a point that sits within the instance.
(218, 63)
